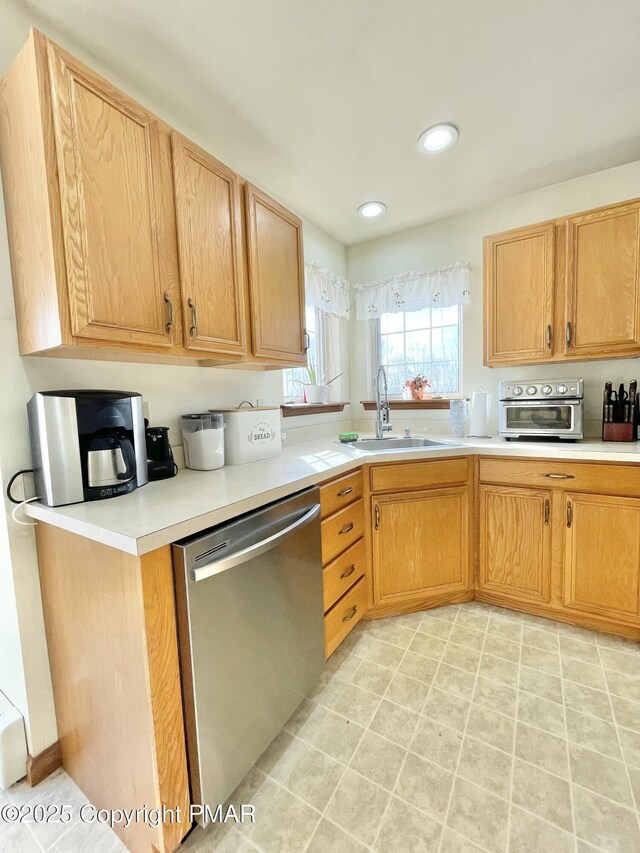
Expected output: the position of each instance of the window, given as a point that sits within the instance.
(293, 377)
(427, 342)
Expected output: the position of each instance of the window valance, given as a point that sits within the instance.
(414, 291)
(327, 291)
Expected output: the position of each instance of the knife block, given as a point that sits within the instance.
(618, 432)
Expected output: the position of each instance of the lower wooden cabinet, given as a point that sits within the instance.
(569, 550)
(515, 542)
(420, 545)
(602, 555)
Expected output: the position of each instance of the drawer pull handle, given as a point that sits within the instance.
(344, 492)
(350, 615)
(569, 514)
(349, 571)
(560, 476)
(546, 510)
(346, 528)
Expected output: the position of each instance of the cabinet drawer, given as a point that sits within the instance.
(341, 530)
(344, 616)
(342, 573)
(559, 474)
(341, 492)
(419, 475)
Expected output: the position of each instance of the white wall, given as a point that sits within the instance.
(460, 239)
(169, 391)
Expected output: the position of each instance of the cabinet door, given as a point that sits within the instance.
(519, 295)
(209, 221)
(602, 555)
(276, 279)
(515, 542)
(116, 196)
(603, 282)
(420, 545)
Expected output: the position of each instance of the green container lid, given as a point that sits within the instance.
(344, 437)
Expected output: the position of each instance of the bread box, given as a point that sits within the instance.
(251, 433)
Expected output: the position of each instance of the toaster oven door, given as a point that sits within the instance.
(535, 418)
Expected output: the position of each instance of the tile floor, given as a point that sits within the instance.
(467, 728)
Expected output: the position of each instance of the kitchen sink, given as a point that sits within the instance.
(384, 444)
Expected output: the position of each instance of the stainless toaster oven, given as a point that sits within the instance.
(542, 409)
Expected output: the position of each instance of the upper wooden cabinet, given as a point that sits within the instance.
(603, 282)
(564, 290)
(118, 258)
(519, 295)
(209, 220)
(276, 279)
(127, 241)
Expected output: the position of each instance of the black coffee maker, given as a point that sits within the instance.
(86, 445)
(160, 463)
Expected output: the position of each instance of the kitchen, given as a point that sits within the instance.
(368, 252)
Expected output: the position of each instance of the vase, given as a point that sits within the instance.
(316, 393)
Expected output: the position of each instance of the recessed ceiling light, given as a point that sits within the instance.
(371, 208)
(437, 138)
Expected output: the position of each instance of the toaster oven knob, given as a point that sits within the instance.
(516, 390)
(562, 389)
(546, 390)
(531, 390)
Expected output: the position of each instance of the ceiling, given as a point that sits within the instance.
(322, 101)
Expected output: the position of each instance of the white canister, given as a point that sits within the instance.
(252, 433)
(203, 441)
(459, 411)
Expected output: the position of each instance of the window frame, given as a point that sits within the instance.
(374, 341)
(321, 343)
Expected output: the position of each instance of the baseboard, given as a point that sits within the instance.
(42, 765)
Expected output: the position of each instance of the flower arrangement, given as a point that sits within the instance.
(418, 386)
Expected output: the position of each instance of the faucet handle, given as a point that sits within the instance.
(407, 432)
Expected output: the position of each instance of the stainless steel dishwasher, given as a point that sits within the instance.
(251, 632)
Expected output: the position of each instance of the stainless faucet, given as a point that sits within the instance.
(382, 408)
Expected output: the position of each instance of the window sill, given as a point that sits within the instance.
(290, 410)
(404, 405)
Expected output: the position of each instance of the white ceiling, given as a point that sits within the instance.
(322, 101)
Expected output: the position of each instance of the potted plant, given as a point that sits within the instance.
(316, 390)
(418, 387)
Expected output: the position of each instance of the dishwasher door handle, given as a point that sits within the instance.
(268, 544)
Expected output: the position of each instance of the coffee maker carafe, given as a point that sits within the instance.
(86, 445)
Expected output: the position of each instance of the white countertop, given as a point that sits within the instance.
(167, 510)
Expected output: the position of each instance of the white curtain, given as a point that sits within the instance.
(327, 291)
(413, 291)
